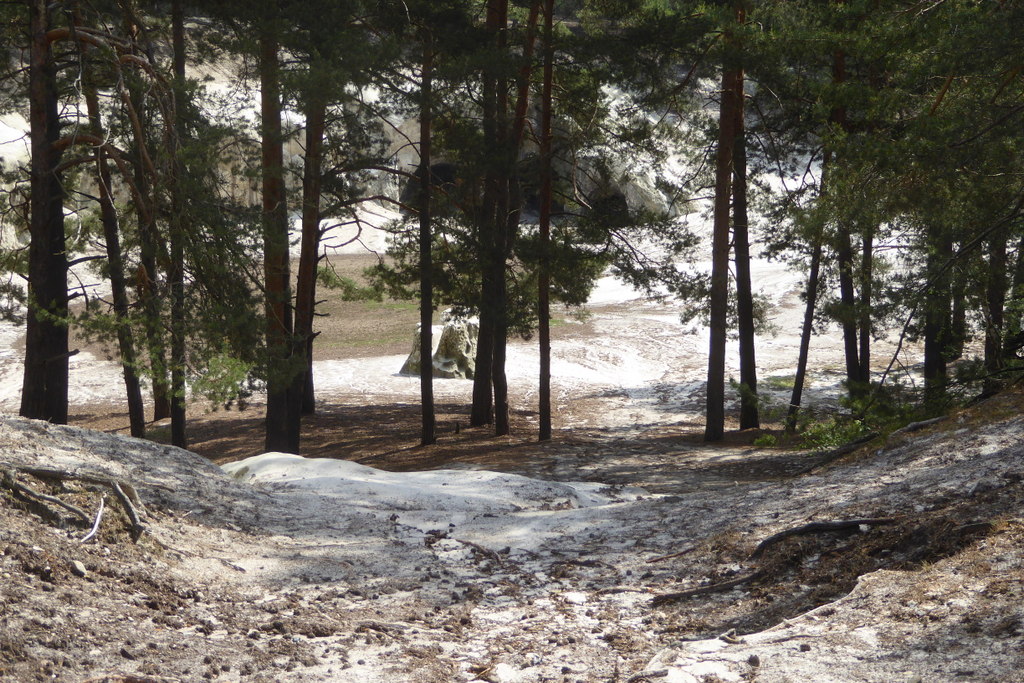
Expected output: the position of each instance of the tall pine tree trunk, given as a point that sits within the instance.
(427, 431)
(283, 408)
(44, 393)
(489, 225)
(147, 278)
(176, 272)
(546, 178)
(749, 418)
(115, 260)
(719, 300)
(309, 254)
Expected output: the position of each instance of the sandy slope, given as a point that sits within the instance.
(327, 570)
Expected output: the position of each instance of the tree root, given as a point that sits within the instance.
(804, 529)
(665, 598)
(817, 528)
(123, 491)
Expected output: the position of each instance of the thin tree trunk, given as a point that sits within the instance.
(996, 300)
(503, 231)
(44, 393)
(489, 224)
(719, 300)
(176, 272)
(749, 418)
(937, 320)
(283, 410)
(866, 276)
(427, 433)
(848, 309)
(958, 318)
(305, 288)
(805, 336)
(147, 278)
(544, 278)
(1013, 322)
(844, 259)
(115, 261)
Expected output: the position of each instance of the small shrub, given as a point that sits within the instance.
(766, 441)
(833, 432)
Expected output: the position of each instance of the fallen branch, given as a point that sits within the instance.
(916, 426)
(824, 458)
(818, 528)
(703, 590)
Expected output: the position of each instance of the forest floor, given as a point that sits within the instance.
(656, 576)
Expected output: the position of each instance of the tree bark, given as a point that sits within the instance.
(937, 318)
(749, 418)
(115, 261)
(309, 255)
(864, 320)
(503, 230)
(719, 301)
(546, 178)
(147, 277)
(805, 336)
(44, 393)
(176, 272)
(283, 410)
(996, 301)
(489, 225)
(427, 432)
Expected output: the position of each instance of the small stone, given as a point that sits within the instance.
(805, 647)
(77, 568)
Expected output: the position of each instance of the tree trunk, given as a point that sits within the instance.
(489, 225)
(866, 280)
(996, 300)
(749, 418)
(44, 393)
(283, 410)
(937, 319)
(176, 272)
(115, 262)
(546, 178)
(503, 230)
(719, 301)
(305, 288)
(427, 432)
(1013, 323)
(848, 310)
(147, 278)
(958, 319)
(805, 336)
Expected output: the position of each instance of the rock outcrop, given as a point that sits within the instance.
(454, 355)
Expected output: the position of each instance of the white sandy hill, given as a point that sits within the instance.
(445, 492)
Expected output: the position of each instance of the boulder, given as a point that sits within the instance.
(454, 344)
